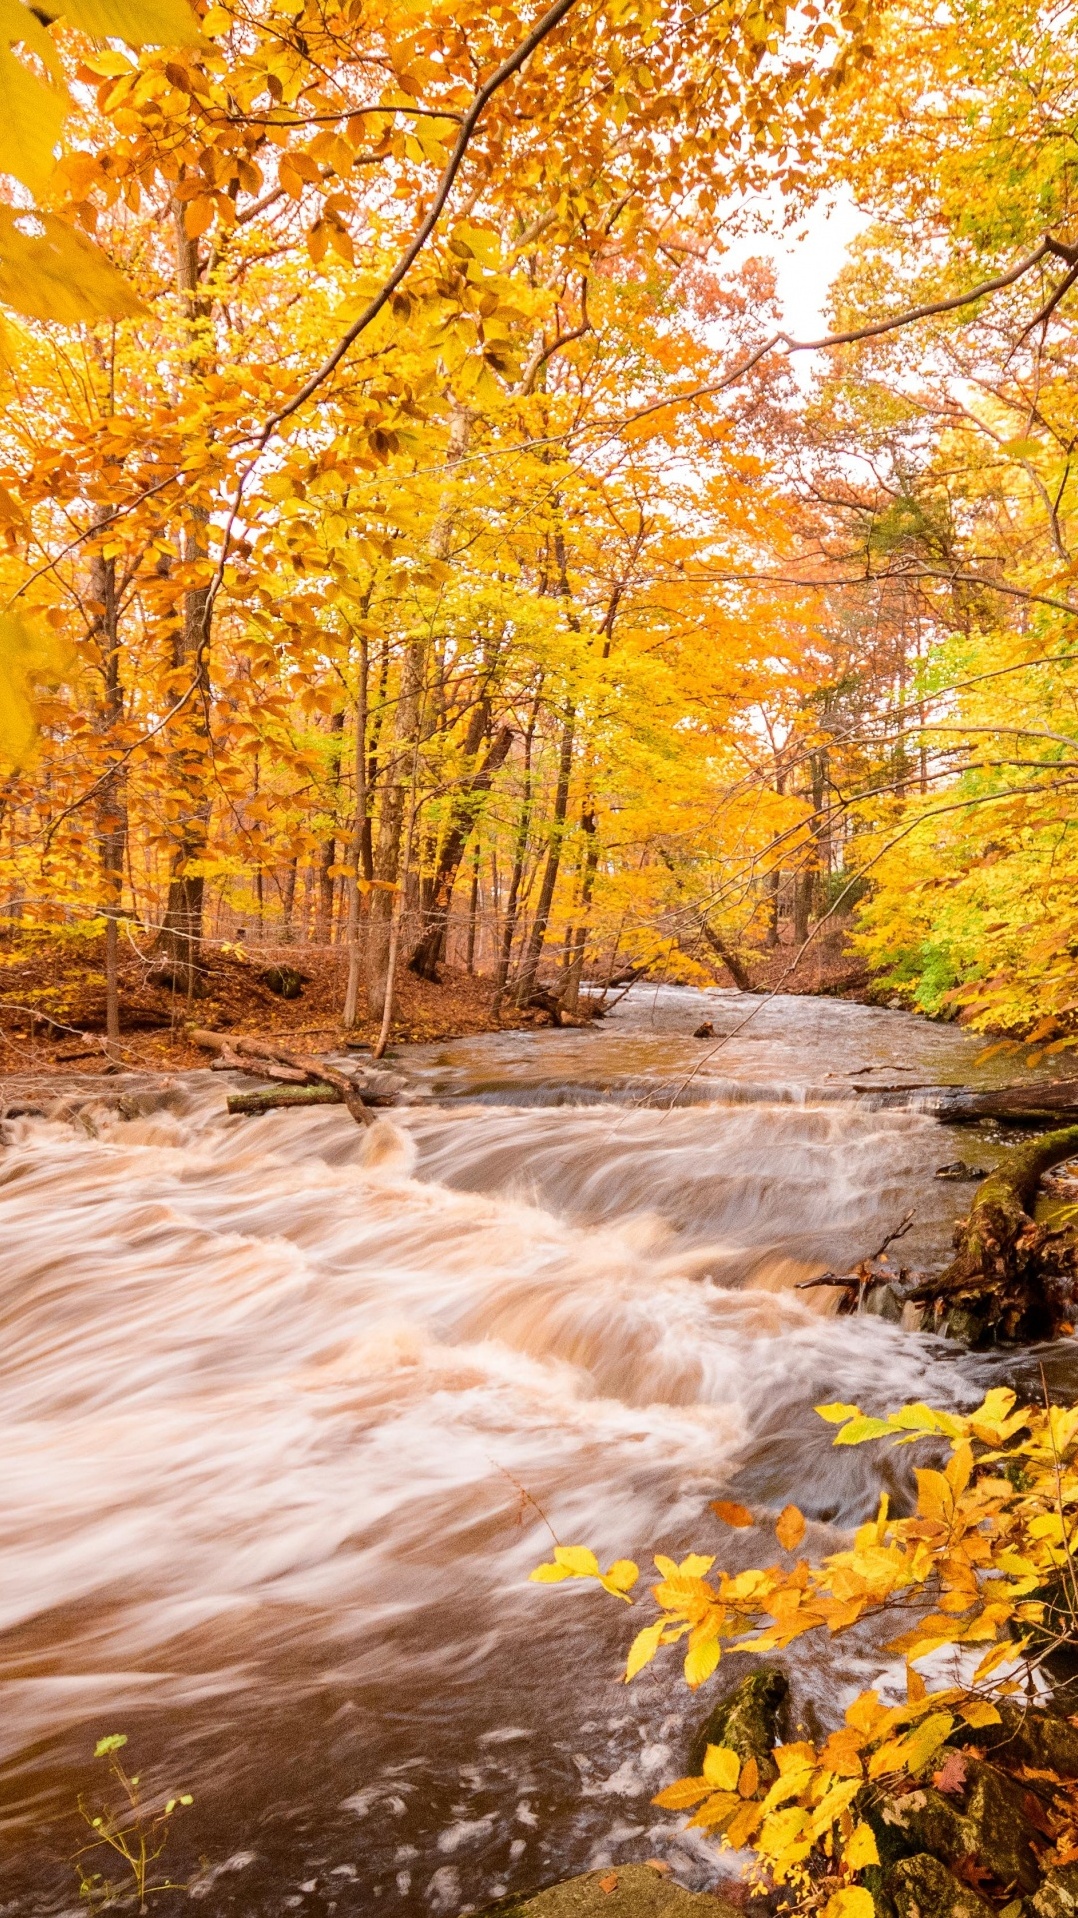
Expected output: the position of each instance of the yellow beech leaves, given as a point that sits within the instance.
(968, 1569)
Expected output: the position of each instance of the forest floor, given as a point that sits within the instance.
(52, 1007)
(52, 1001)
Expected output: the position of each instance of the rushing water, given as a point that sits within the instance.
(283, 1403)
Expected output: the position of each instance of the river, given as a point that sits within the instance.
(288, 1409)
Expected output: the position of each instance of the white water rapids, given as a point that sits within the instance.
(283, 1402)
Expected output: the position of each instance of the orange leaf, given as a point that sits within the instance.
(790, 1529)
(731, 1514)
(610, 1882)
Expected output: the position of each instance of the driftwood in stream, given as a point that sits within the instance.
(299, 1071)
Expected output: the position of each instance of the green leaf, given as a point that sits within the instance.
(49, 271)
(113, 1743)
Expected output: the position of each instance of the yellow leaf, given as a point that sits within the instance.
(643, 1649)
(722, 1767)
(701, 1661)
(837, 1414)
(577, 1560)
(718, 1810)
(549, 1574)
(743, 1824)
(861, 1849)
(732, 1514)
(26, 656)
(682, 1794)
(31, 113)
(860, 1429)
(198, 217)
(914, 1751)
(142, 23)
(790, 1529)
(978, 1713)
(48, 271)
(619, 1578)
(853, 1901)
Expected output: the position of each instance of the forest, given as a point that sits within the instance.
(419, 541)
(449, 612)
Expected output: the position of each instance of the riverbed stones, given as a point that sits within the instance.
(921, 1887)
(748, 1721)
(622, 1891)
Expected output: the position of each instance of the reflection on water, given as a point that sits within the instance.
(283, 1402)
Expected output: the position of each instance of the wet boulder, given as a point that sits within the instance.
(749, 1721)
(622, 1891)
(921, 1887)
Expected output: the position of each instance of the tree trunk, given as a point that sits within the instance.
(288, 902)
(802, 905)
(360, 856)
(111, 801)
(578, 939)
(473, 911)
(180, 938)
(462, 821)
(520, 853)
(533, 954)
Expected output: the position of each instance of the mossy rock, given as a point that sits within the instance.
(1029, 1735)
(749, 1722)
(637, 1891)
(986, 1821)
(920, 1887)
(1058, 1894)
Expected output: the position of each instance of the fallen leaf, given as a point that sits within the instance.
(658, 1864)
(732, 1514)
(790, 1529)
(749, 1782)
(609, 1882)
(951, 1776)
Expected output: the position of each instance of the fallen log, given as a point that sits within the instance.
(270, 1061)
(1032, 1104)
(1011, 1278)
(286, 1096)
(1022, 1104)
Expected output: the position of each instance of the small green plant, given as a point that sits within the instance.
(135, 1833)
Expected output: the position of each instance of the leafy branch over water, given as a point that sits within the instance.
(985, 1567)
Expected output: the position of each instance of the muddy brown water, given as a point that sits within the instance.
(282, 1402)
